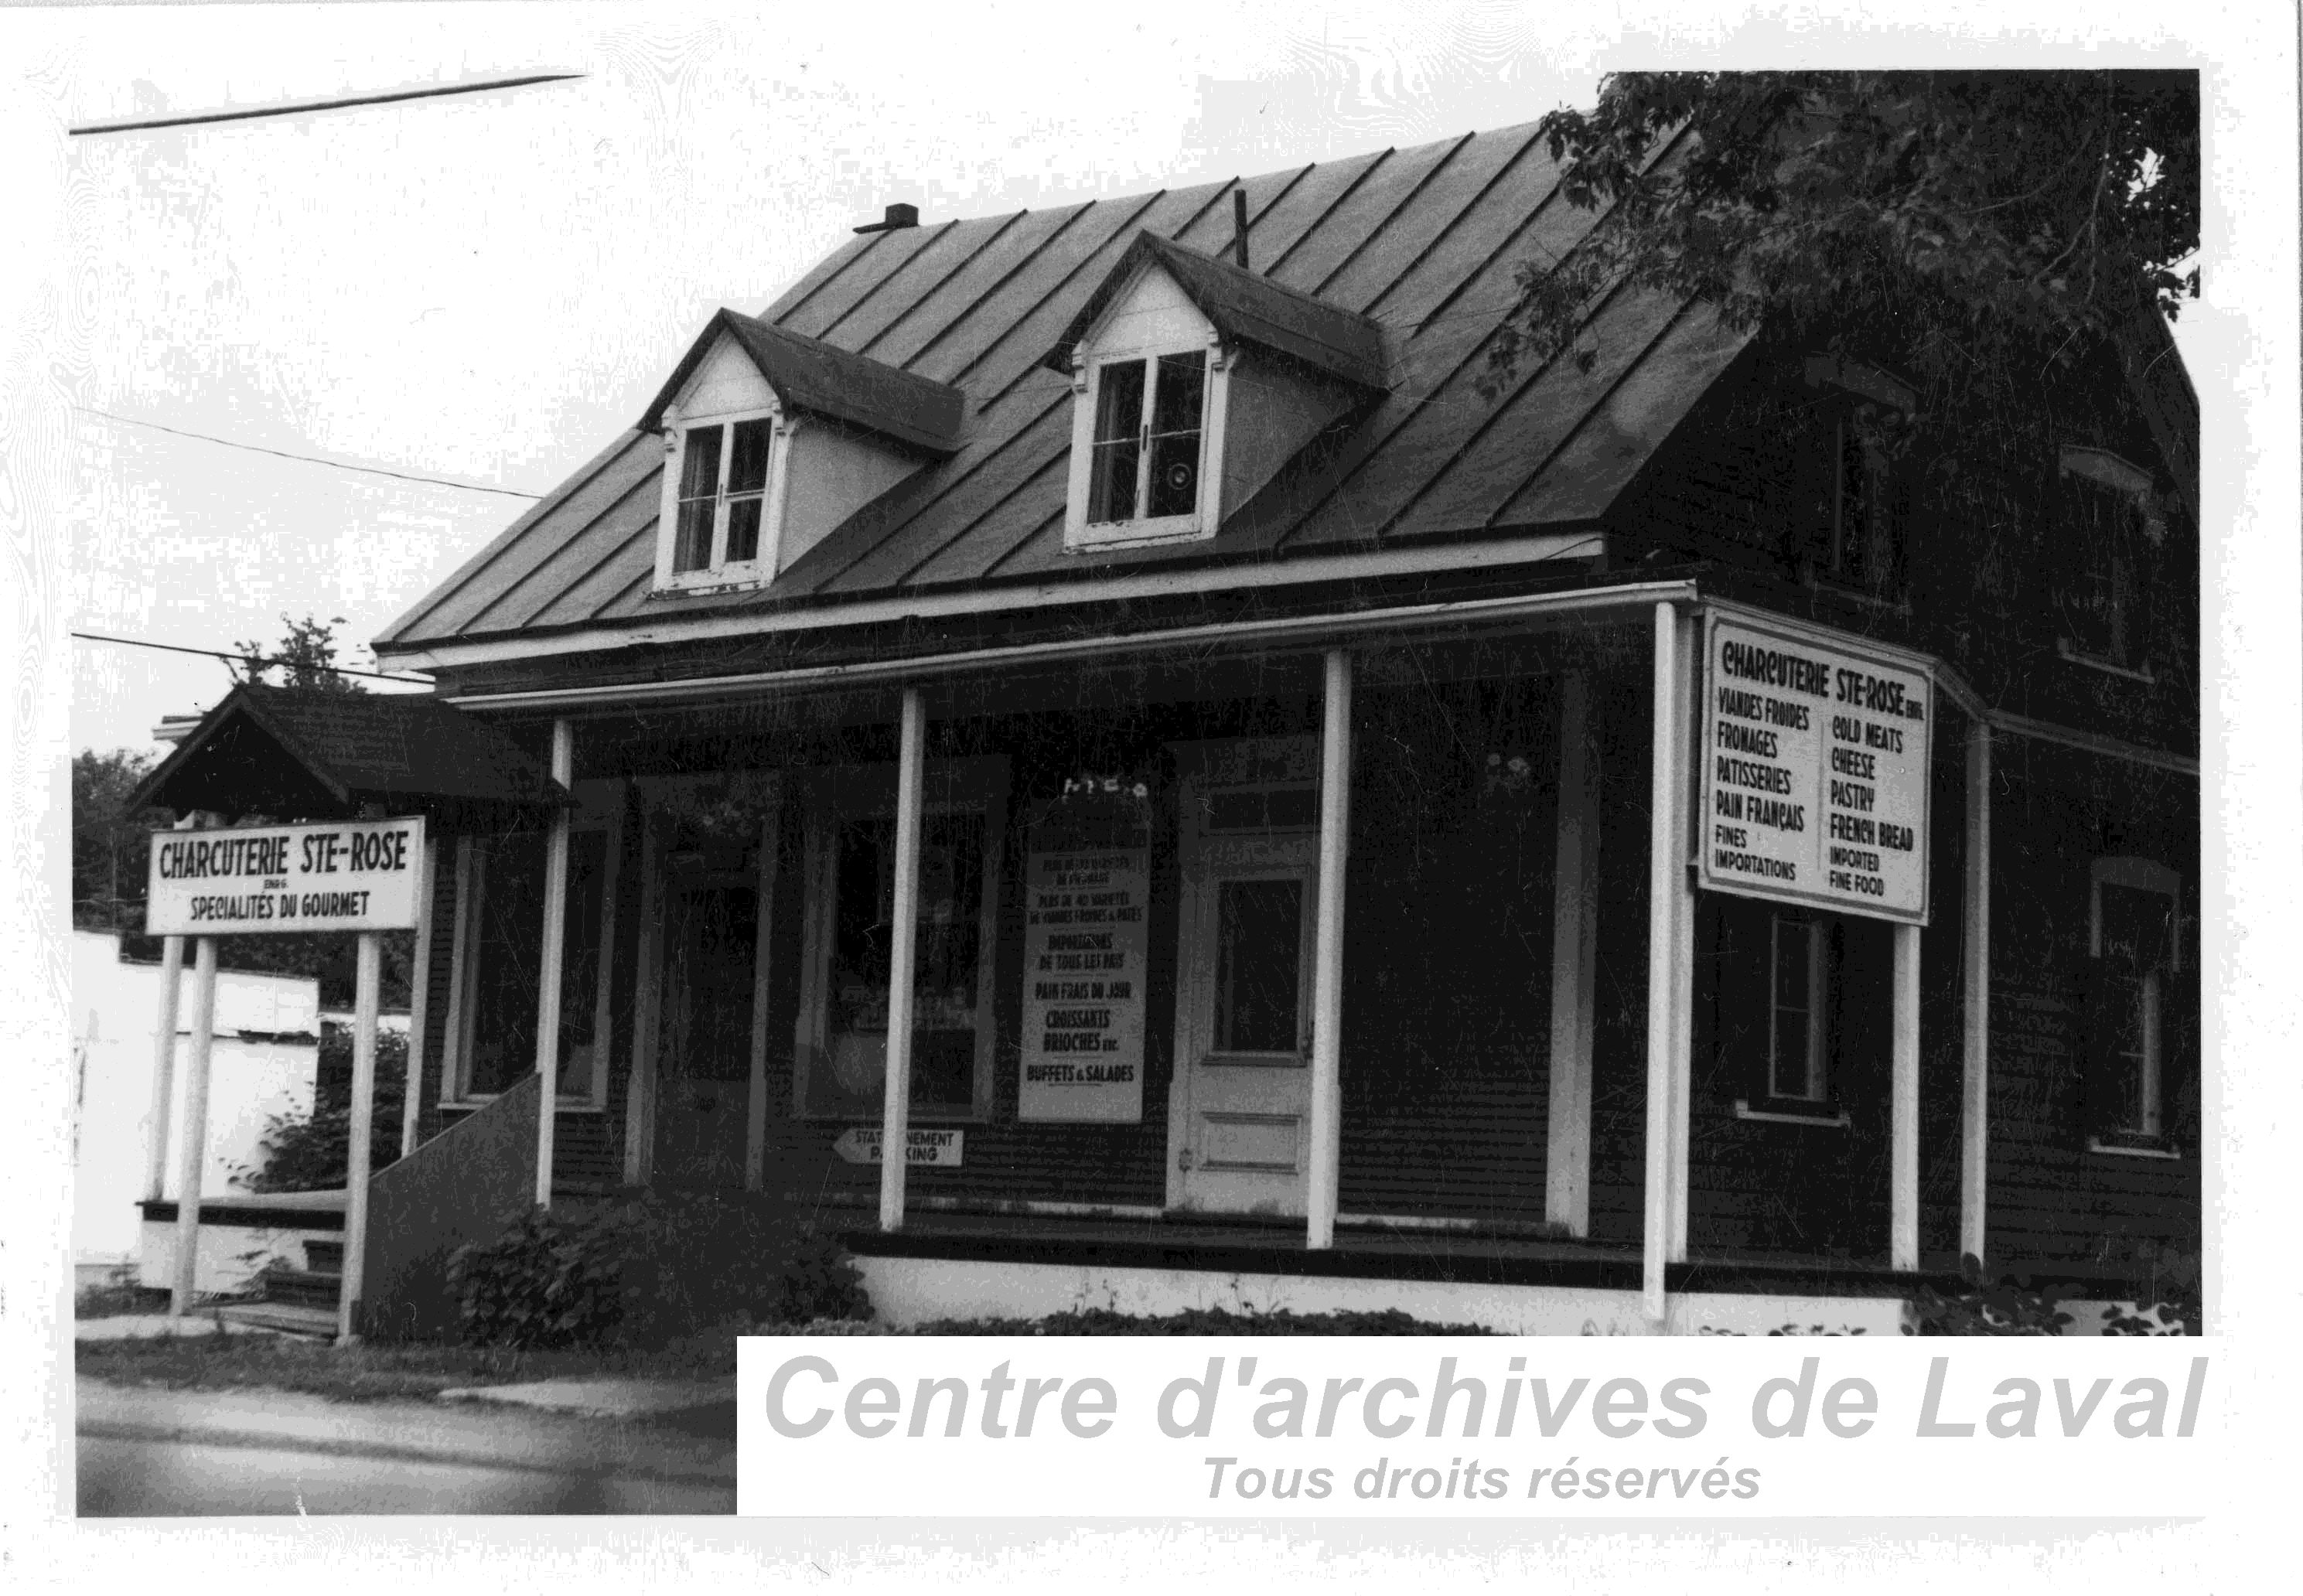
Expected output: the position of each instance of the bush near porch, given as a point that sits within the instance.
(649, 1271)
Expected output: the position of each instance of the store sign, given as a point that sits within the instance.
(337, 875)
(1087, 887)
(1815, 771)
(860, 1144)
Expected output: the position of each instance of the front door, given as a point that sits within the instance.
(1241, 1115)
(710, 938)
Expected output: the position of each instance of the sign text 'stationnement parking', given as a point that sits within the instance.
(1815, 771)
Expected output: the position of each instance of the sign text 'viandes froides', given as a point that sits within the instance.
(1815, 771)
(336, 875)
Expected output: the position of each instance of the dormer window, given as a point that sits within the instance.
(772, 441)
(1168, 349)
(723, 489)
(1149, 437)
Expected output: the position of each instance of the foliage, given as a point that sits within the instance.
(310, 1151)
(1968, 217)
(305, 658)
(110, 842)
(1985, 1308)
(2168, 1292)
(650, 1271)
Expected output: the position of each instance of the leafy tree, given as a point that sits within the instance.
(109, 842)
(305, 658)
(1962, 221)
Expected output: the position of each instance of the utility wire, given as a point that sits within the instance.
(291, 107)
(251, 659)
(313, 460)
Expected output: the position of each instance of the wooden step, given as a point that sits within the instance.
(305, 1288)
(296, 1320)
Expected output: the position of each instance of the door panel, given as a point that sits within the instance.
(1242, 1020)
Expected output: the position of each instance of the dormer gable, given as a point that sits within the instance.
(772, 440)
(1194, 384)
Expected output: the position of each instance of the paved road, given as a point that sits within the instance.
(172, 1453)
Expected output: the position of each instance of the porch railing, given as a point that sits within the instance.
(462, 1185)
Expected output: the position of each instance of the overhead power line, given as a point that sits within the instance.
(292, 107)
(251, 659)
(312, 460)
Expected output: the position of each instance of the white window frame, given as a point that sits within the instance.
(2121, 477)
(1080, 534)
(1814, 1105)
(719, 572)
(2154, 1137)
(831, 797)
(601, 811)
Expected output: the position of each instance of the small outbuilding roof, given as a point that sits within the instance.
(300, 754)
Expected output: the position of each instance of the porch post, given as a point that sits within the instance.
(895, 1117)
(1575, 924)
(547, 973)
(193, 1153)
(370, 977)
(1682, 945)
(1670, 947)
(1903, 1197)
(1322, 1178)
(1975, 1095)
(755, 1106)
(639, 1092)
(163, 1058)
(419, 993)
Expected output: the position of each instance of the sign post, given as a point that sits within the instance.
(358, 875)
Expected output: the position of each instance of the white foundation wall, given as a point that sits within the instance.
(228, 1257)
(115, 1008)
(910, 1291)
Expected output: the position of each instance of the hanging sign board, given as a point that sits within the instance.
(336, 875)
(1814, 751)
(1087, 885)
(860, 1144)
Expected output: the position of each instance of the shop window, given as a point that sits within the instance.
(1796, 998)
(2107, 529)
(849, 917)
(2139, 1029)
(493, 1000)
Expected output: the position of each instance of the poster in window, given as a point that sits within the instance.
(1087, 885)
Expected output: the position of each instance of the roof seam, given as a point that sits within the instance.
(977, 303)
(1575, 430)
(652, 480)
(1392, 214)
(870, 242)
(1350, 189)
(1064, 282)
(958, 267)
(977, 520)
(824, 332)
(1433, 243)
(1023, 543)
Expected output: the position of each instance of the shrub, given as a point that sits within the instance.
(650, 1271)
(310, 1151)
(1985, 1308)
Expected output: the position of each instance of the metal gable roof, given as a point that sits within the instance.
(1399, 264)
(824, 377)
(284, 750)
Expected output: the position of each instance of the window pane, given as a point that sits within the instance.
(747, 467)
(1175, 488)
(944, 965)
(1791, 964)
(743, 529)
(579, 960)
(509, 957)
(1119, 450)
(1259, 962)
(699, 469)
(1790, 1055)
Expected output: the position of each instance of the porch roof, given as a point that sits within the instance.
(1414, 251)
(292, 753)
